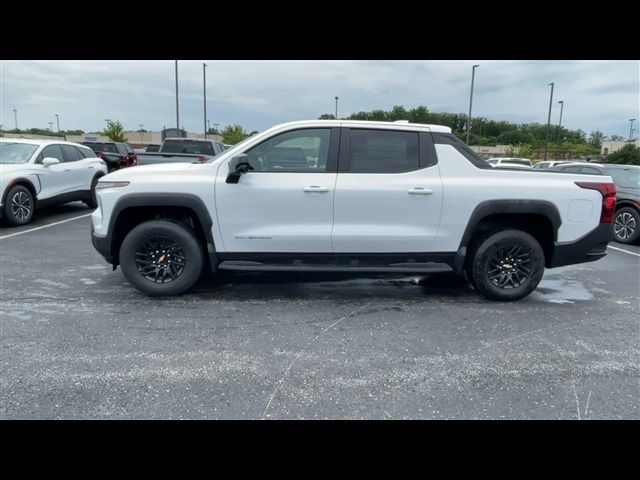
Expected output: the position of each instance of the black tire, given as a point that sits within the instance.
(92, 202)
(626, 225)
(19, 206)
(507, 265)
(144, 272)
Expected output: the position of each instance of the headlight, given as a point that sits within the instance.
(101, 185)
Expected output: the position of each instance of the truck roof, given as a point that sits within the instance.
(399, 124)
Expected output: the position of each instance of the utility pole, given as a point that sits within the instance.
(473, 75)
(141, 132)
(204, 87)
(58, 123)
(561, 102)
(177, 105)
(631, 120)
(51, 127)
(546, 145)
(15, 116)
(336, 108)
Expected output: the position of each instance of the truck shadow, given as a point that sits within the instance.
(329, 285)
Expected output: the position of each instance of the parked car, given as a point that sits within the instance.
(549, 163)
(39, 173)
(183, 150)
(117, 155)
(626, 223)
(353, 196)
(152, 148)
(497, 162)
(517, 166)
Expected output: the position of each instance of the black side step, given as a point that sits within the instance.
(409, 267)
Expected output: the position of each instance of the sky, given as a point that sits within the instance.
(597, 95)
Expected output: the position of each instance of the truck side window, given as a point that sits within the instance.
(379, 151)
(295, 151)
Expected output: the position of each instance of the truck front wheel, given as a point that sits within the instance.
(161, 257)
(507, 265)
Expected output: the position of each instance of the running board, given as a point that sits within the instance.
(409, 267)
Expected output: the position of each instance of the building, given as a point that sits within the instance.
(491, 151)
(609, 146)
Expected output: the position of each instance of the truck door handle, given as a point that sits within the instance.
(315, 189)
(420, 191)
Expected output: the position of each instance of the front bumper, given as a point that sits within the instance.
(589, 248)
(102, 246)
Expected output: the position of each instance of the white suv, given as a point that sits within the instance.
(350, 196)
(38, 173)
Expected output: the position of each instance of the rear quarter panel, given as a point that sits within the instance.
(465, 186)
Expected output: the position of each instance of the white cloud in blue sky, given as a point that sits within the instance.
(597, 95)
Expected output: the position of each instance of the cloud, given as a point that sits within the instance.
(257, 94)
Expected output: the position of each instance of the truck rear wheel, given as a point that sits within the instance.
(507, 265)
(161, 257)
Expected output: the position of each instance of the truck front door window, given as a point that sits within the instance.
(296, 151)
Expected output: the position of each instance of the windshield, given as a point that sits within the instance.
(625, 177)
(104, 147)
(193, 147)
(235, 147)
(12, 153)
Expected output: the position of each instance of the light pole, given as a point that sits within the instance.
(473, 76)
(561, 102)
(107, 120)
(546, 145)
(336, 107)
(141, 132)
(51, 127)
(58, 123)
(204, 88)
(215, 126)
(177, 106)
(631, 120)
(15, 116)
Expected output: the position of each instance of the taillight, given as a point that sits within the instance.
(201, 159)
(608, 191)
(134, 159)
(100, 154)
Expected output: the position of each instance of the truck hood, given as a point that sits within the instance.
(147, 170)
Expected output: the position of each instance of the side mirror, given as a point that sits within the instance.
(48, 161)
(238, 166)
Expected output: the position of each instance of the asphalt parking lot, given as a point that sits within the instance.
(79, 342)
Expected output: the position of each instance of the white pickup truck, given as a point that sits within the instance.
(333, 195)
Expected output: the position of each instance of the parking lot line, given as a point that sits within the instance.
(625, 251)
(44, 226)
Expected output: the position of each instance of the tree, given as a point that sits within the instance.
(616, 138)
(521, 150)
(596, 138)
(628, 155)
(115, 131)
(233, 134)
(327, 116)
(513, 137)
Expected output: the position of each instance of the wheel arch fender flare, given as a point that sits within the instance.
(505, 206)
(185, 200)
(22, 181)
